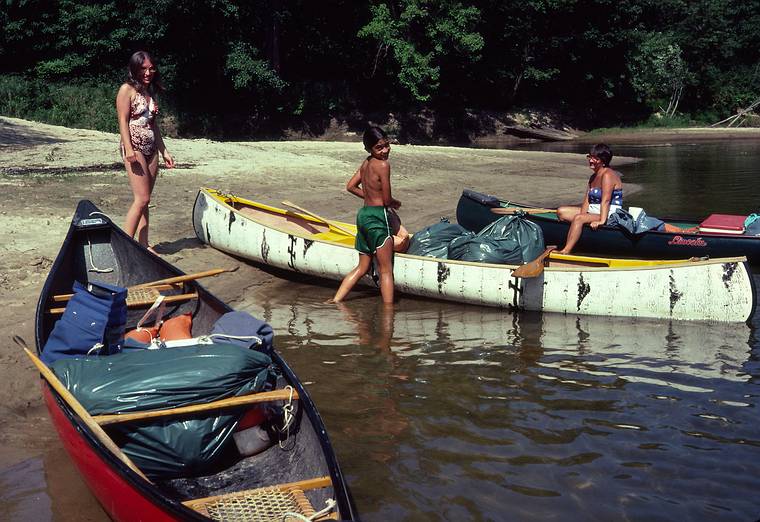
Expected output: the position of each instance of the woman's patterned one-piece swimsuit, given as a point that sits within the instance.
(141, 116)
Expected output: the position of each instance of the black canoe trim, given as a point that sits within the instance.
(474, 213)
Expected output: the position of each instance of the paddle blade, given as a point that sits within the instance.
(533, 268)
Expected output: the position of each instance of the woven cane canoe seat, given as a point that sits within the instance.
(268, 504)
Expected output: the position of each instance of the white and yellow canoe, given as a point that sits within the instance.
(695, 289)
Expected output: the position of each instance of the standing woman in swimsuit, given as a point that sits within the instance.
(141, 141)
(603, 197)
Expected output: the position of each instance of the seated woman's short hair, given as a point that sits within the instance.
(603, 152)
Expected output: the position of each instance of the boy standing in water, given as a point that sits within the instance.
(379, 230)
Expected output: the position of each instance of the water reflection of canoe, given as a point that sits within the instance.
(705, 351)
(712, 290)
(474, 213)
(301, 473)
(433, 332)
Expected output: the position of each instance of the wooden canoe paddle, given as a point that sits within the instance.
(282, 394)
(186, 277)
(75, 405)
(515, 210)
(318, 218)
(533, 268)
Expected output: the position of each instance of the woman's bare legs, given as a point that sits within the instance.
(365, 262)
(142, 178)
(576, 227)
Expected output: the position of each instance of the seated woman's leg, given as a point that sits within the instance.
(567, 212)
(576, 227)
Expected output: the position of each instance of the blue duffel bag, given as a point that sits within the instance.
(93, 323)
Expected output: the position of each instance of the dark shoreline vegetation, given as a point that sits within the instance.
(431, 72)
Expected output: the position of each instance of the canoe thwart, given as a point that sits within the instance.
(276, 395)
(132, 292)
(171, 283)
(145, 299)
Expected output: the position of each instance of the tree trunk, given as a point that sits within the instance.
(675, 99)
(273, 36)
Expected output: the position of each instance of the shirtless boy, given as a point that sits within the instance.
(379, 229)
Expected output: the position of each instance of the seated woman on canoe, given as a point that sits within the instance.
(603, 197)
(379, 229)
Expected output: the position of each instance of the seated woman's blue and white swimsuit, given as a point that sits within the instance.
(595, 201)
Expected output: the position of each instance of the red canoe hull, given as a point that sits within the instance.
(120, 498)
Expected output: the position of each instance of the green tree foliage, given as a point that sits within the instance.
(247, 71)
(659, 73)
(422, 36)
(721, 43)
(255, 67)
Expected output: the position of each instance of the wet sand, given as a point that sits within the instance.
(45, 170)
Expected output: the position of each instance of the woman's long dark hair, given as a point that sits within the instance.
(134, 72)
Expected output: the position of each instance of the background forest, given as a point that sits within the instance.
(267, 68)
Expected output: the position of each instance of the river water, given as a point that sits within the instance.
(687, 179)
(440, 411)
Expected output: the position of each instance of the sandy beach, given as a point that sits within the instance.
(45, 170)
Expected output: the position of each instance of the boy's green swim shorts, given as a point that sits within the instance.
(373, 229)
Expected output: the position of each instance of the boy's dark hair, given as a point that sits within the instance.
(603, 152)
(371, 136)
(134, 72)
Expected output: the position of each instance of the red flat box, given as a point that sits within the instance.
(723, 224)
